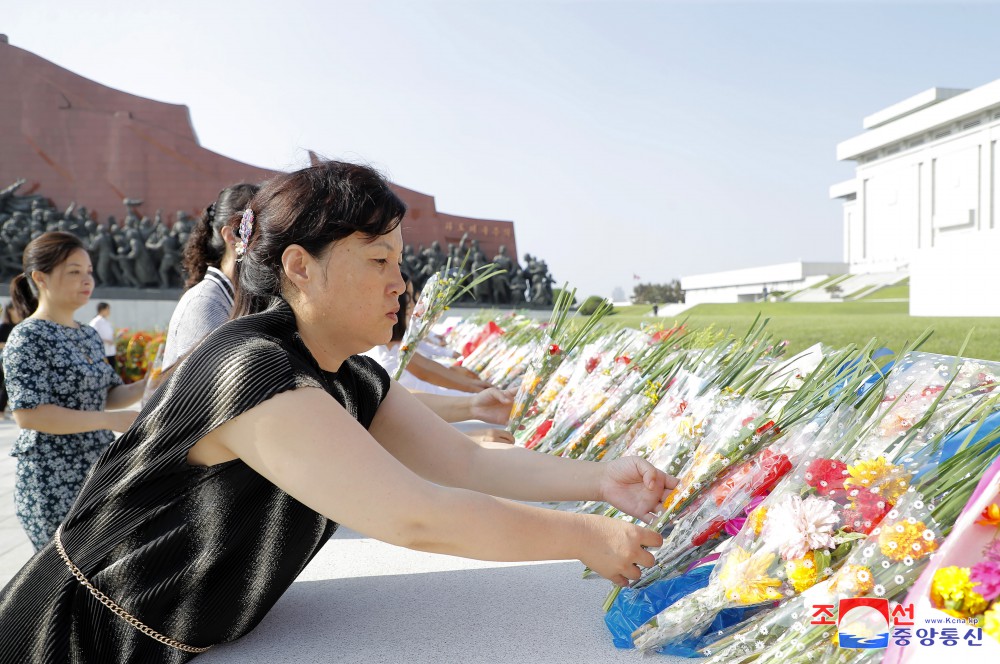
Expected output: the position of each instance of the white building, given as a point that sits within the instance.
(755, 283)
(923, 203)
(924, 196)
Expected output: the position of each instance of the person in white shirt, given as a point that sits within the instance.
(209, 261)
(106, 331)
(433, 381)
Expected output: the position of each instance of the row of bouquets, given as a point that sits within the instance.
(835, 473)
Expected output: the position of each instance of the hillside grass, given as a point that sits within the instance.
(896, 291)
(835, 324)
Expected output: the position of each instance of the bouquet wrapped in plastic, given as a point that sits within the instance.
(805, 528)
(962, 581)
(560, 341)
(884, 564)
(439, 292)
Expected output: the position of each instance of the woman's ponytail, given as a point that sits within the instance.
(199, 253)
(205, 247)
(22, 298)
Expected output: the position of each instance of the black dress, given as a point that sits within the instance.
(198, 554)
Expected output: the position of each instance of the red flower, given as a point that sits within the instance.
(681, 407)
(827, 476)
(747, 421)
(731, 480)
(767, 427)
(623, 359)
(868, 509)
(774, 466)
(554, 349)
(663, 335)
(716, 526)
(592, 363)
(759, 475)
(984, 384)
(488, 331)
(540, 433)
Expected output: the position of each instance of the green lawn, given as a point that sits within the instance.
(838, 324)
(897, 291)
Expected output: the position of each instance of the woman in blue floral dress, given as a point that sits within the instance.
(59, 384)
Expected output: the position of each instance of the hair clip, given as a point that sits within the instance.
(246, 228)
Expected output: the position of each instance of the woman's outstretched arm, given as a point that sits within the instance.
(436, 451)
(306, 444)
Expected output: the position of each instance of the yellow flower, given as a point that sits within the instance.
(687, 427)
(991, 621)
(802, 572)
(952, 591)
(756, 519)
(854, 579)
(745, 578)
(907, 540)
(658, 441)
(877, 475)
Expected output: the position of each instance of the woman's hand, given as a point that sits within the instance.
(617, 549)
(491, 436)
(468, 373)
(493, 405)
(635, 486)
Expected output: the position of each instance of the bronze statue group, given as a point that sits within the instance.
(144, 252)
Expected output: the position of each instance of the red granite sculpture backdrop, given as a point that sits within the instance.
(74, 139)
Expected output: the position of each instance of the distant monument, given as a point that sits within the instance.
(73, 139)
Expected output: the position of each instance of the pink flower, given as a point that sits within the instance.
(987, 574)
(992, 551)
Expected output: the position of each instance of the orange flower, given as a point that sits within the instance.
(991, 516)
(907, 540)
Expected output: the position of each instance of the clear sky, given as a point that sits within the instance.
(658, 139)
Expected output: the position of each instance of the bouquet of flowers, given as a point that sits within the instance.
(723, 508)
(578, 388)
(963, 579)
(439, 292)
(562, 339)
(805, 528)
(500, 359)
(643, 378)
(680, 420)
(884, 565)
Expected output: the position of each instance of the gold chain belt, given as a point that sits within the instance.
(119, 611)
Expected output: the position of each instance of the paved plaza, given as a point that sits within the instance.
(363, 601)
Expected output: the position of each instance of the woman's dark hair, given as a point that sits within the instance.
(206, 247)
(313, 208)
(399, 329)
(45, 253)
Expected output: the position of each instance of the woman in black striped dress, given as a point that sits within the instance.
(195, 521)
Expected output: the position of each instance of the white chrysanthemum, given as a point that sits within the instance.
(796, 526)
